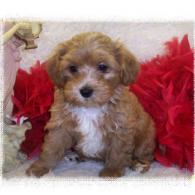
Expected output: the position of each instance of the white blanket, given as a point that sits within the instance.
(67, 168)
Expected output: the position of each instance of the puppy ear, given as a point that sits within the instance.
(52, 65)
(128, 62)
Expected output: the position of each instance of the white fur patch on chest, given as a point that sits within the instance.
(87, 118)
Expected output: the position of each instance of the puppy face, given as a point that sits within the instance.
(89, 67)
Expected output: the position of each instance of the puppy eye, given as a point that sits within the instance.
(73, 69)
(102, 67)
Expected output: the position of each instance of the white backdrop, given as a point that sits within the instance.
(145, 40)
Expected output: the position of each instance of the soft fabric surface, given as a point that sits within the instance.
(67, 168)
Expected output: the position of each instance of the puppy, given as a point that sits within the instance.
(93, 111)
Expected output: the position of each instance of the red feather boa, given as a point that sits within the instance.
(164, 87)
(33, 96)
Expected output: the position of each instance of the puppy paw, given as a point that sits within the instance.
(37, 169)
(108, 172)
(141, 166)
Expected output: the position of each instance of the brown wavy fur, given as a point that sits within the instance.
(127, 130)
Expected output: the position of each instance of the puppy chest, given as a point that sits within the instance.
(91, 143)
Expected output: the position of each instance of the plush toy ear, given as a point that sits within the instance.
(128, 62)
(53, 68)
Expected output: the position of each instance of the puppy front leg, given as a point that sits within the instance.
(55, 144)
(117, 157)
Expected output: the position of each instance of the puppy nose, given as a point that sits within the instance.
(86, 92)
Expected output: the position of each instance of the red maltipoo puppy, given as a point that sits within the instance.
(93, 111)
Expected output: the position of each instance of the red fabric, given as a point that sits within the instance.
(165, 89)
(33, 96)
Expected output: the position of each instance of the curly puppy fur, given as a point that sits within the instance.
(105, 122)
